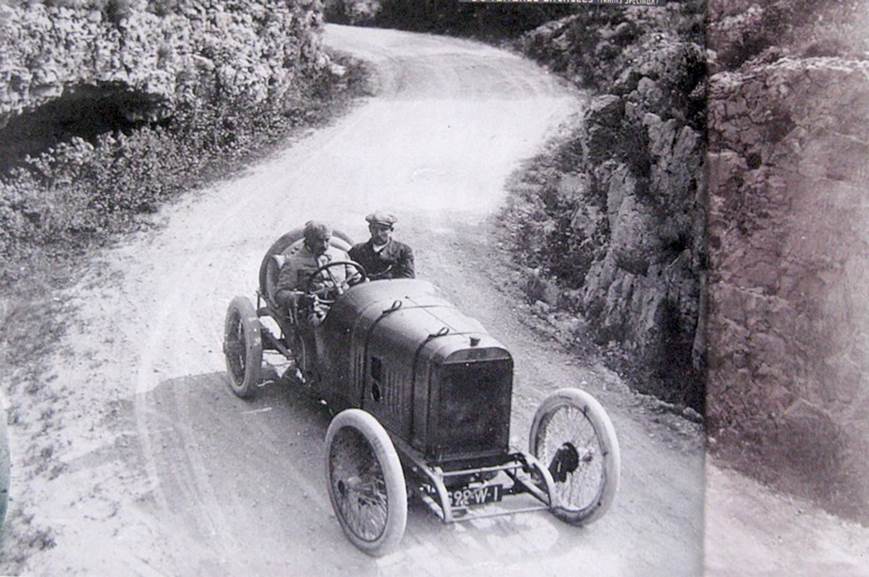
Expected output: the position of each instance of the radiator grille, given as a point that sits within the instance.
(474, 411)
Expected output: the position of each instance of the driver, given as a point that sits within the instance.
(304, 260)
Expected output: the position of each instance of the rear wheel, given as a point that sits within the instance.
(366, 482)
(574, 439)
(243, 347)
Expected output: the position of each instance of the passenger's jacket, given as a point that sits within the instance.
(395, 260)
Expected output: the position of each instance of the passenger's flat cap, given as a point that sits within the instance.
(380, 217)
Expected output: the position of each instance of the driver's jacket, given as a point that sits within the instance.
(298, 266)
(300, 263)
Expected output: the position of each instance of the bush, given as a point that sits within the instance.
(114, 10)
(80, 193)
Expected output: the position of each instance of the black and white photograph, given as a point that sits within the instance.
(378, 288)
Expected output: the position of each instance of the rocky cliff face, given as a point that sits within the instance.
(616, 217)
(138, 60)
(789, 257)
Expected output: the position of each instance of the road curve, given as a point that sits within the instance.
(168, 474)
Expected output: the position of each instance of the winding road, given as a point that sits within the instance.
(167, 473)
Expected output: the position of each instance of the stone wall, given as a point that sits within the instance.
(788, 286)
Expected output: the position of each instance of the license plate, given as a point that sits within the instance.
(470, 496)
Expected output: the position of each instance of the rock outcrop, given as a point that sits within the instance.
(617, 217)
(788, 286)
(152, 57)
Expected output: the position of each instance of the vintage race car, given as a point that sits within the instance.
(422, 395)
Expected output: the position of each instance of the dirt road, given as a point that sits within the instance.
(166, 473)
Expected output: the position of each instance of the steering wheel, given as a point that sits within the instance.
(331, 286)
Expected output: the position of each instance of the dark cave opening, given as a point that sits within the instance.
(85, 110)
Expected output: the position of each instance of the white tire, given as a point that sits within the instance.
(366, 482)
(573, 438)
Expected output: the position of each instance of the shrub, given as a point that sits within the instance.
(79, 193)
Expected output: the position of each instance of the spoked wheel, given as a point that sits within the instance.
(574, 439)
(243, 347)
(366, 482)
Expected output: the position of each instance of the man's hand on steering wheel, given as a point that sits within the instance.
(331, 287)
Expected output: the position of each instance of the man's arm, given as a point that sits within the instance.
(404, 264)
(357, 255)
(287, 277)
(355, 252)
(286, 291)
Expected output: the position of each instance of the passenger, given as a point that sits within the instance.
(382, 256)
(293, 279)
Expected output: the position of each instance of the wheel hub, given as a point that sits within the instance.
(565, 461)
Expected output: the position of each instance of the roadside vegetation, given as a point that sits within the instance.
(81, 193)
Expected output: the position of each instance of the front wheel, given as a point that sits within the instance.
(243, 347)
(573, 438)
(366, 482)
